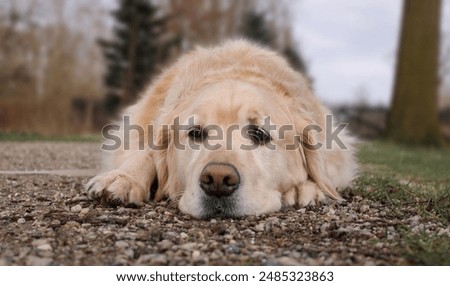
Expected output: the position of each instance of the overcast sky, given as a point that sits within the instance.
(350, 46)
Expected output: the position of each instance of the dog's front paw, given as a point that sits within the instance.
(115, 188)
(303, 195)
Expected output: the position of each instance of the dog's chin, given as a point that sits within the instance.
(224, 207)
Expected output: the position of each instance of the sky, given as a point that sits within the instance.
(350, 47)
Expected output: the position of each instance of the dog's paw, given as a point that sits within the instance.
(116, 188)
(303, 195)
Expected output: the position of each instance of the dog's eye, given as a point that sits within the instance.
(258, 134)
(197, 133)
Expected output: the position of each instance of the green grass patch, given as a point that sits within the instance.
(431, 200)
(29, 137)
(400, 161)
(401, 176)
(410, 181)
(426, 249)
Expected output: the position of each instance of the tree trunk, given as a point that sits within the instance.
(413, 117)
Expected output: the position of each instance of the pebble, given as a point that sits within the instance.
(152, 259)
(143, 236)
(414, 221)
(45, 247)
(38, 261)
(158, 259)
(4, 214)
(76, 209)
(121, 244)
(21, 220)
(164, 244)
(260, 227)
(72, 224)
(195, 255)
(152, 214)
(364, 208)
(39, 242)
(287, 261)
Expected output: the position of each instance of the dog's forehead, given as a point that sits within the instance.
(232, 102)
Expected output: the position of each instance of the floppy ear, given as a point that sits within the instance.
(163, 160)
(312, 148)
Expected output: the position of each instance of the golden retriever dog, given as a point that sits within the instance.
(227, 131)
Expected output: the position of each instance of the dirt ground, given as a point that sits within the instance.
(46, 219)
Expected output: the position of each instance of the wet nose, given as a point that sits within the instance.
(219, 179)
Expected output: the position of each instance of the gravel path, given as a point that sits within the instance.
(47, 220)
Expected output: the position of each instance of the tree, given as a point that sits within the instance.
(256, 28)
(134, 53)
(413, 117)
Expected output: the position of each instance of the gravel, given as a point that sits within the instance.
(48, 220)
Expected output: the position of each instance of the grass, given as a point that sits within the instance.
(410, 181)
(28, 137)
(389, 159)
(426, 249)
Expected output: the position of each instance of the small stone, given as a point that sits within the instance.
(152, 214)
(302, 210)
(152, 259)
(21, 220)
(444, 231)
(195, 255)
(414, 221)
(287, 261)
(189, 246)
(72, 223)
(259, 227)
(159, 259)
(5, 261)
(324, 227)
(4, 214)
(248, 232)
(364, 208)
(38, 261)
(164, 244)
(45, 247)
(39, 242)
(84, 211)
(155, 234)
(45, 253)
(121, 244)
(76, 209)
(143, 236)
(103, 218)
(219, 229)
(121, 260)
(232, 248)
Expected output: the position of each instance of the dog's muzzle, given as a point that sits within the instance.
(219, 181)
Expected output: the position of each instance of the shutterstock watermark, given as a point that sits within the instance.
(215, 137)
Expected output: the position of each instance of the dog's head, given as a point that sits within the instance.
(233, 149)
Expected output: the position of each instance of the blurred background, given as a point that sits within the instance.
(67, 67)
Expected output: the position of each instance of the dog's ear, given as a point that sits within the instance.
(312, 147)
(161, 158)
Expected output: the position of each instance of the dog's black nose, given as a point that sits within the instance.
(219, 179)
